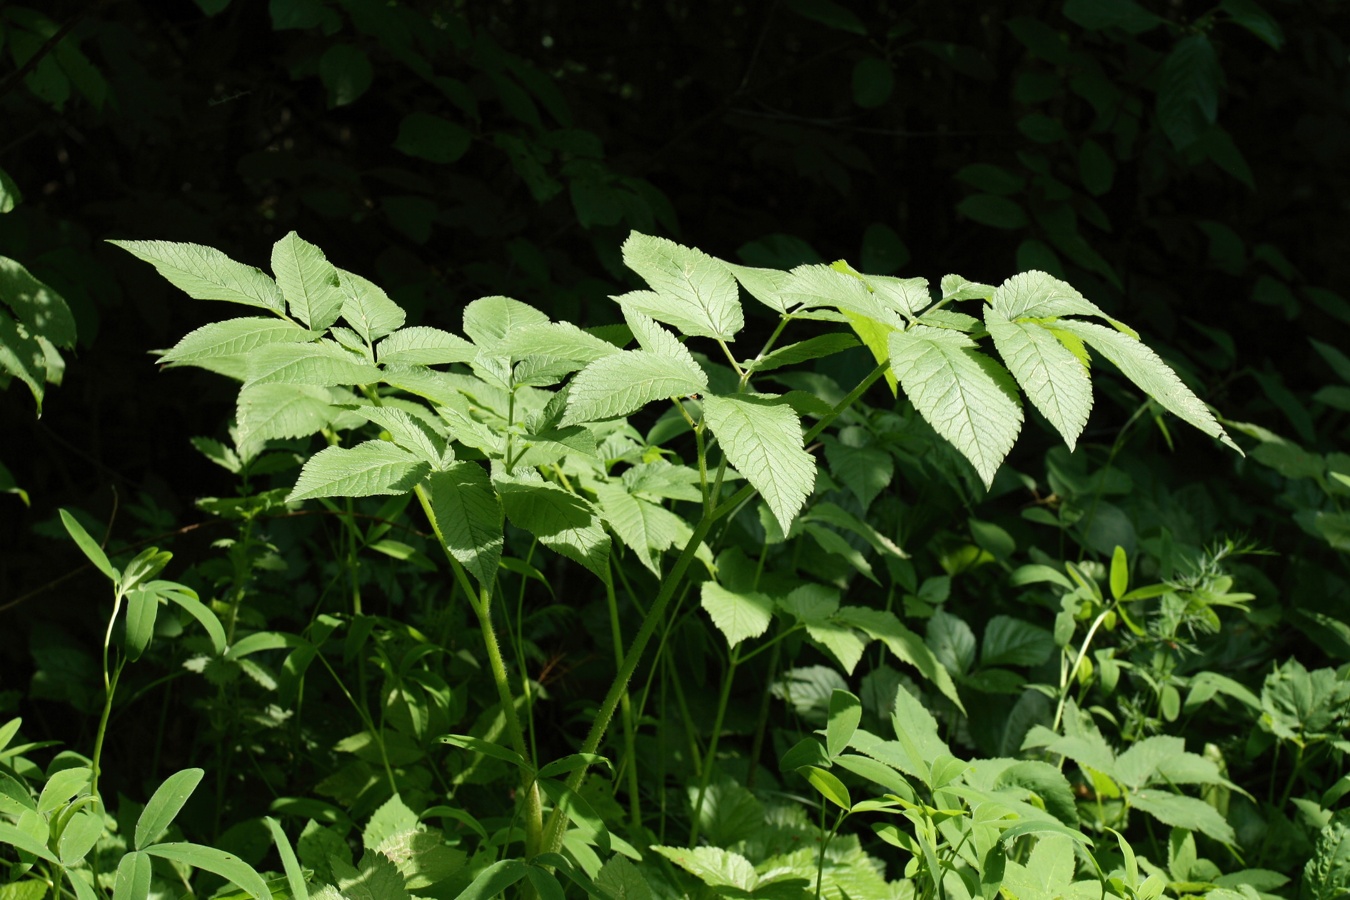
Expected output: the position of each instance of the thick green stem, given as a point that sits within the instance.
(626, 708)
(482, 607)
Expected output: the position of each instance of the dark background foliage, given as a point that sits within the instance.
(1185, 165)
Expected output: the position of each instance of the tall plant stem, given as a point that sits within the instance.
(710, 758)
(626, 709)
(481, 601)
(557, 821)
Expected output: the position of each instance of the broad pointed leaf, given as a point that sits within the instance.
(737, 614)
(645, 528)
(308, 281)
(762, 438)
(469, 515)
(1142, 366)
(903, 643)
(817, 286)
(204, 273)
(272, 411)
(233, 337)
(693, 291)
(318, 363)
(967, 397)
(211, 859)
(1055, 381)
(367, 308)
(627, 381)
(374, 467)
(22, 357)
(557, 339)
(424, 346)
(488, 320)
(765, 285)
(561, 520)
(1184, 812)
(1037, 295)
(164, 805)
(41, 310)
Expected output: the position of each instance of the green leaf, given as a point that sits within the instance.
(1039, 295)
(431, 137)
(812, 348)
(1188, 90)
(295, 876)
(1096, 168)
(424, 346)
(1097, 15)
(1055, 381)
(89, 547)
(737, 614)
(488, 321)
(142, 609)
(346, 73)
(762, 438)
(829, 786)
(952, 642)
(367, 308)
(319, 363)
(495, 879)
(41, 310)
(1326, 876)
(693, 291)
(81, 832)
(873, 81)
(270, 411)
(627, 381)
(845, 714)
(765, 285)
(23, 357)
(231, 868)
(410, 432)
(993, 210)
(967, 397)
(164, 805)
(1184, 812)
(1013, 642)
(907, 646)
(556, 339)
(369, 468)
(866, 471)
(232, 338)
(1142, 366)
(622, 880)
(645, 528)
(1046, 782)
(469, 516)
(308, 281)
(816, 287)
(561, 520)
(713, 866)
(204, 273)
(1252, 17)
(132, 881)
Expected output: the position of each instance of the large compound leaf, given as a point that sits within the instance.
(627, 381)
(1055, 380)
(557, 339)
(233, 338)
(367, 308)
(561, 520)
(308, 281)
(373, 467)
(762, 438)
(1037, 295)
(694, 292)
(321, 362)
(737, 614)
(967, 397)
(469, 516)
(816, 286)
(205, 273)
(1142, 366)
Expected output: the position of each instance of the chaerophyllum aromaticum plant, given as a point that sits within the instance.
(527, 420)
